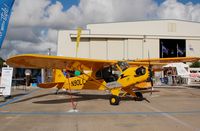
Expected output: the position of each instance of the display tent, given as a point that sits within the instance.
(181, 69)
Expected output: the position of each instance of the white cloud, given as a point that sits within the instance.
(24, 34)
(15, 47)
(34, 23)
(95, 11)
(172, 9)
(42, 13)
(28, 12)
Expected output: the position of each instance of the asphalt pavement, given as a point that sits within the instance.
(175, 109)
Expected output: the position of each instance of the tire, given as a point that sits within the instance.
(139, 95)
(114, 100)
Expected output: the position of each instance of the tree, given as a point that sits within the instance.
(195, 64)
(1, 62)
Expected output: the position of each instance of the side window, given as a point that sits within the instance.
(109, 73)
(123, 65)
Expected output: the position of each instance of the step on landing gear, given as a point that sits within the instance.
(114, 100)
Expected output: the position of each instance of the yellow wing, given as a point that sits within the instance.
(61, 62)
(56, 62)
(169, 60)
(158, 63)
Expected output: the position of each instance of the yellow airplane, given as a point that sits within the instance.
(131, 77)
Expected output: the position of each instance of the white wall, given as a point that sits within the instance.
(115, 49)
(151, 45)
(98, 49)
(84, 48)
(155, 27)
(134, 48)
(128, 40)
(195, 45)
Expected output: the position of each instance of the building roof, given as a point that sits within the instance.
(153, 27)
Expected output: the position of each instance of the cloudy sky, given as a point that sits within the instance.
(34, 24)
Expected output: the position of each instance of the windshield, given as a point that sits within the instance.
(123, 65)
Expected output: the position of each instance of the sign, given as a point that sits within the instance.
(6, 80)
(194, 74)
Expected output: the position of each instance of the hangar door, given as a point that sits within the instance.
(134, 49)
(98, 48)
(172, 48)
(115, 49)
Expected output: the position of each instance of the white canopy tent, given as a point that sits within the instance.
(181, 69)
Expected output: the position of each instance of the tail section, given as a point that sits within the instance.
(50, 85)
(59, 76)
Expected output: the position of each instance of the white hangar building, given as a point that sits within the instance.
(133, 40)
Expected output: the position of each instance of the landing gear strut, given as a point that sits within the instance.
(57, 91)
(114, 100)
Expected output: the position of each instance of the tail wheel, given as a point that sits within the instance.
(139, 95)
(114, 100)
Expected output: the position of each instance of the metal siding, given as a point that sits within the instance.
(195, 45)
(154, 27)
(125, 39)
(134, 49)
(83, 50)
(98, 48)
(65, 45)
(115, 49)
(151, 46)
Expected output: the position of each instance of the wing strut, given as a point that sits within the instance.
(95, 80)
(91, 78)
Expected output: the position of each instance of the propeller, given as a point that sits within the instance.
(150, 73)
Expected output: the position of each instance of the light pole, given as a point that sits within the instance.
(49, 51)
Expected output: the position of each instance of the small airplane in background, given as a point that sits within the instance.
(130, 77)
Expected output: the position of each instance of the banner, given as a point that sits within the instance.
(164, 49)
(191, 48)
(78, 39)
(5, 11)
(179, 51)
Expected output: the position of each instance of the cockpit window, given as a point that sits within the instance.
(123, 65)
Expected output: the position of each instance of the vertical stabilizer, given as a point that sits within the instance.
(59, 76)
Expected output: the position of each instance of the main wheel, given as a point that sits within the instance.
(114, 100)
(139, 95)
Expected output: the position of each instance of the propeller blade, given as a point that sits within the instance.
(150, 73)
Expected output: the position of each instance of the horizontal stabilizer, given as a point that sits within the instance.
(51, 85)
(148, 91)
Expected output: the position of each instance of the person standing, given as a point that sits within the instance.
(28, 77)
